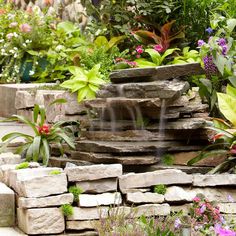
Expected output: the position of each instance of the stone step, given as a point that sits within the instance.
(7, 206)
(134, 147)
(110, 159)
(116, 125)
(156, 73)
(144, 135)
(164, 89)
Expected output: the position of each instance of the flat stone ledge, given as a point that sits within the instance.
(93, 172)
(98, 186)
(9, 158)
(147, 210)
(142, 180)
(81, 225)
(57, 200)
(41, 221)
(104, 199)
(139, 197)
(156, 73)
(214, 180)
(93, 213)
(228, 208)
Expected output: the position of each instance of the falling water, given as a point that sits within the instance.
(162, 124)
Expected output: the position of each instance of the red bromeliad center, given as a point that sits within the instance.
(44, 129)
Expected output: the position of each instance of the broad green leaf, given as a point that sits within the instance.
(36, 112)
(67, 139)
(220, 62)
(220, 124)
(142, 63)
(42, 115)
(115, 40)
(156, 57)
(231, 23)
(227, 107)
(93, 87)
(58, 101)
(29, 152)
(36, 147)
(232, 80)
(204, 155)
(101, 41)
(27, 122)
(67, 26)
(94, 72)
(82, 93)
(46, 155)
(231, 91)
(207, 84)
(77, 71)
(16, 135)
(167, 53)
(96, 81)
(33, 53)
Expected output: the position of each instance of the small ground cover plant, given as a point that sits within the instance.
(37, 147)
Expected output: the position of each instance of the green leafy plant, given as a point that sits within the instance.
(67, 210)
(187, 56)
(76, 191)
(86, 83)
(225, 137)
(37, 146)
(23, 165)
(55, 172)
(160, 189)
(168, 159)
(156, 58)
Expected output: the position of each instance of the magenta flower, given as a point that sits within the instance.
(196, 199)
(233, 149)
(159, 48)
(200, 42)
(223, 232)
(25, 28)
(139, 49)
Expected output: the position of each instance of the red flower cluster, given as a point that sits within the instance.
(44, 129)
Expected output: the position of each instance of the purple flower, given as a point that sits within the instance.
(224, 49)
(209, 30)
(202, 208)
(25, 28)
(230, 198)
(177, 223)
(223, 232)
(222, 42)
(200, 42)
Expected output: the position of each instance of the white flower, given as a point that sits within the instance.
(1, 40)
(15, 48)
(3, 50)
(31, 72)
(15, 55)
(11, 51)
(59, 48)
(28, 41)
(24, 45)
(15, 34)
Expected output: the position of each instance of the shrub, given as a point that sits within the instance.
(160, 189)
(76, 191)
(23, 165)
(67, 210)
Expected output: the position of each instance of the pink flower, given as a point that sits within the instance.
(139, 49)
(13, 24)
(10, 36)
(233, 149)
(196, 199)
(159, 48)
(223, 232)
(25, 28)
